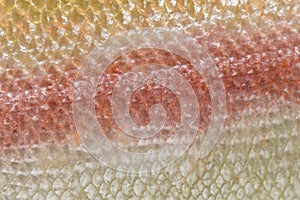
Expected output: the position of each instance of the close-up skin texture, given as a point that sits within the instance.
(251, 48)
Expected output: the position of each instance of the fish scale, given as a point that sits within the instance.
(255, 47)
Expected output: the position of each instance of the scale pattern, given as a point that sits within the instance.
(254, 45)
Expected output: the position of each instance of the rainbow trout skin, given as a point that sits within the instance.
(149, 100)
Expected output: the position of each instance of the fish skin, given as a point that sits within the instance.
(36, 85)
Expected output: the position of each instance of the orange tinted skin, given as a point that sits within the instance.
(39, 110)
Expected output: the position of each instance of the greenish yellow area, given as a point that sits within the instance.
(258, 158)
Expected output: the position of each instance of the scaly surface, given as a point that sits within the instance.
(255, 46)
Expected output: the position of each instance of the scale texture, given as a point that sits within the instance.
(254, 45)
